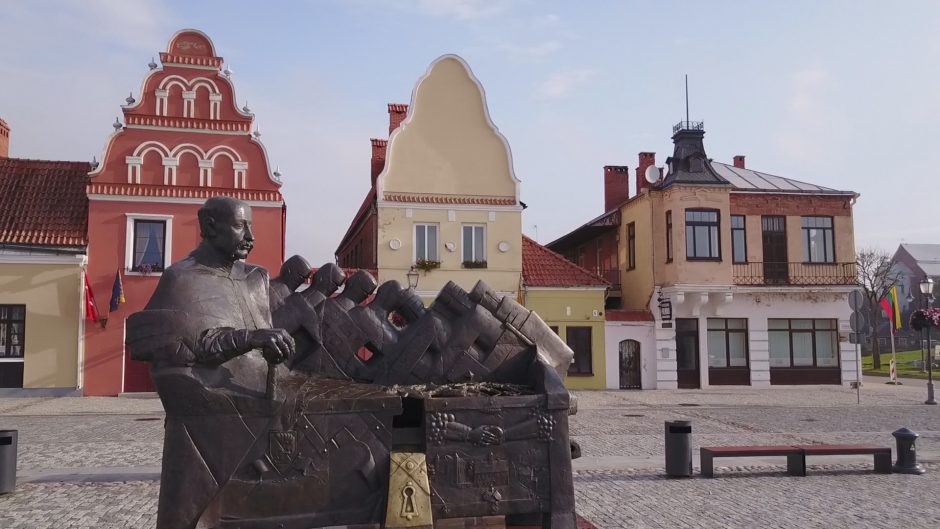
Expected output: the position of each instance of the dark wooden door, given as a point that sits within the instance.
(775, 249)
(687, 364)
(630, 365)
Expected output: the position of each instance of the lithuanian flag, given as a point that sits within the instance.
(890, 305)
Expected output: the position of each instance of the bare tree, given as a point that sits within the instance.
(876, 278)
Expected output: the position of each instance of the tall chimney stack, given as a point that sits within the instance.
(4, 139)
(616, 186)
(378, 157)
(396, 114)
(646, 159)
(739, 161)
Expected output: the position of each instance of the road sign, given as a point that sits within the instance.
(856, 300)
(857, 337)
(858, 322)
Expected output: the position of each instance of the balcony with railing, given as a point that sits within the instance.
(794, 274)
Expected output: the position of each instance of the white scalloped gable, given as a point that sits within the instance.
(448, 145)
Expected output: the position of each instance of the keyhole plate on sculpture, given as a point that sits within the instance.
(409, 493)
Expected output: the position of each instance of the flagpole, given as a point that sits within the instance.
(894, 356)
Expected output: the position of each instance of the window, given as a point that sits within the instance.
(579, 340)
(148, 243)
(817, 240)
(474, 243)
(738, 240)
(631, 246)
(803, 343)
(701, 235)
(12, 330)
(426, 242)
(669, 236)
(727, 342)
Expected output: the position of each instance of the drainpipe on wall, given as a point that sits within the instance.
(80, 360)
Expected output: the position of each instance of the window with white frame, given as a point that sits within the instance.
(148, 243)
(426, 242)
(474, 243)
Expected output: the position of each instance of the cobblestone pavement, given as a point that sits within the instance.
(87, 435)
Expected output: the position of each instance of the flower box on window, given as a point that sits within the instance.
(146, 268)
(427, 264)
(474, 264)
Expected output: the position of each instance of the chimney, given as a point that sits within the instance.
(396, 114)
(616, 186)
(739, 161)
(4, 139)
(646, 159)
(378, 157)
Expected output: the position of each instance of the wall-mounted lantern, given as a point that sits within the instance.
(665, 307)
(412, 276)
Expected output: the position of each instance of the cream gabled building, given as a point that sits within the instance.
(445, 205)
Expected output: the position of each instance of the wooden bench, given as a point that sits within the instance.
(882, 454)
(796, 465)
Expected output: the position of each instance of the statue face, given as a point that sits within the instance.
(232, 235)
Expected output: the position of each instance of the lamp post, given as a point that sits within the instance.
(926, 288)
(412, 276)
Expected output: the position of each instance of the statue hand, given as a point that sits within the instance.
(486, 435)
(276, 344)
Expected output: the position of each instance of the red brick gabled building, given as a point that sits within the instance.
(183, 141)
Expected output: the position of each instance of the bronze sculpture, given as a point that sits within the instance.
(291, 407)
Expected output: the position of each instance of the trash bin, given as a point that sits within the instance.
(7, 461)
(679, 449)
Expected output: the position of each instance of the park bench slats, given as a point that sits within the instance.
(796, 455)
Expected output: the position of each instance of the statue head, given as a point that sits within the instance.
(225, 226)
(294, 272)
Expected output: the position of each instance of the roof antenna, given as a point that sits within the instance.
(686, 98)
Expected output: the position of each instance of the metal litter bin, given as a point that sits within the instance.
(7, 461)
(679, 449)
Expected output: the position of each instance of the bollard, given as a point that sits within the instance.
(679, 449)
(907, 453)
(7, 461)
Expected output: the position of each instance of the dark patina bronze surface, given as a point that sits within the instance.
(284, 403)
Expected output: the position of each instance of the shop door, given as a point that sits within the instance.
(687, 364)
(630, 365)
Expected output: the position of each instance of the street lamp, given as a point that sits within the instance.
(412, 276)
(926, 288)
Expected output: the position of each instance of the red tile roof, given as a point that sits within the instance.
(397, 107)
(43, 203)
(542, 267)
(628, 315)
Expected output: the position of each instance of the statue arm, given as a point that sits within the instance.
(217, 346)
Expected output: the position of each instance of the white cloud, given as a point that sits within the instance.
(561, 84)
(802, 136)
(532, 51)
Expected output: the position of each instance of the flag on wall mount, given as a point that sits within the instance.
(889, 304)
(91, 309)
(117, 291)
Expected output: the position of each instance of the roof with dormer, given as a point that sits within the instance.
(43, 203)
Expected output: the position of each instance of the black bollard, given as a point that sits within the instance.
(907, 453)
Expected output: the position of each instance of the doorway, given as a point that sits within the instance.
(630, 365)
(687, 349)
(775, 250)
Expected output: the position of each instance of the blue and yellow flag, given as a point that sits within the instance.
(117, 291)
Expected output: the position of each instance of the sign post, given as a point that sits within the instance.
(859, 332)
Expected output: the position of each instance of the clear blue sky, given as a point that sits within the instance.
(842, 94)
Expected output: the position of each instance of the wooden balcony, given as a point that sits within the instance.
(794, 274)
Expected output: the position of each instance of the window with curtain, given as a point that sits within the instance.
(669, 236)
(149, 245)
(12, 331)
(818, 240)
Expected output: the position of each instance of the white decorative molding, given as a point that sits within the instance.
(394, 244)
(492, 216)
(503, 246)
(451, 215)
(450, 246)
(169, 171)
(177, 200)
(456, 207)
(9, 256)
(129, 240)
(409, 213)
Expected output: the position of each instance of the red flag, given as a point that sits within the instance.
(91, 309)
